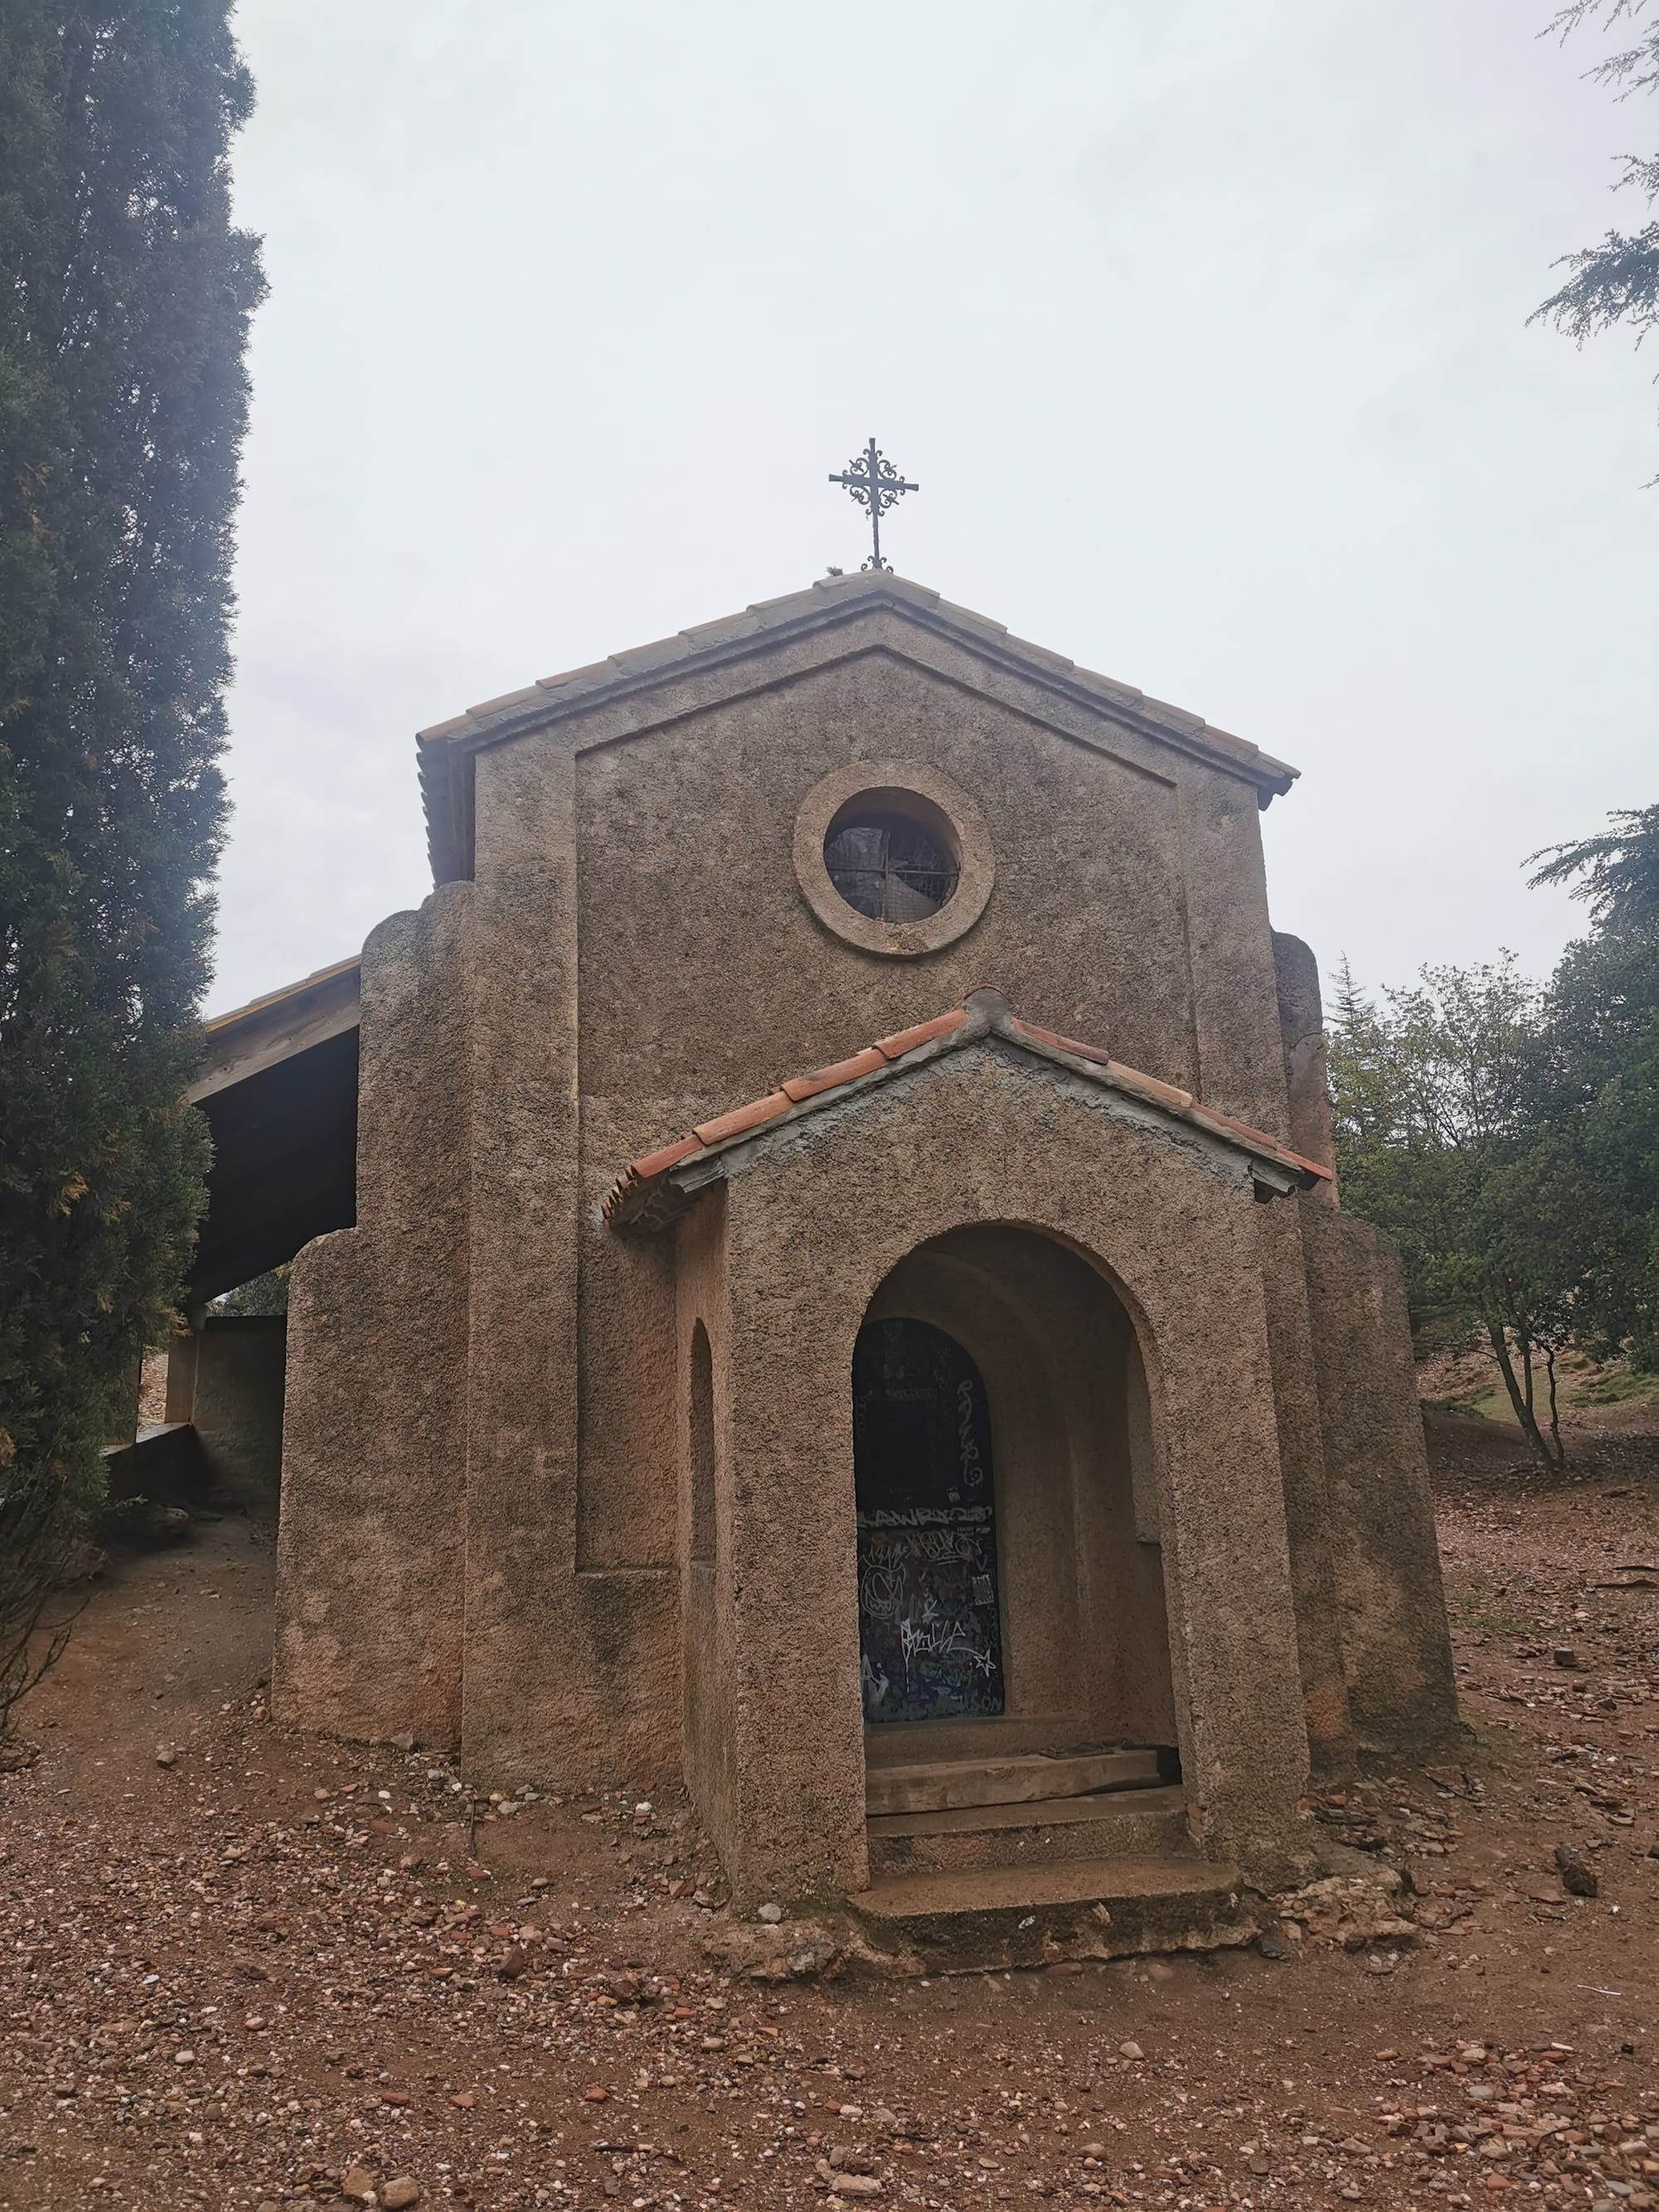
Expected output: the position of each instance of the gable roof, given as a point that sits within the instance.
(445, 751)
(653, 1190)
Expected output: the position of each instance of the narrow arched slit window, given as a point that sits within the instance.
(703, 1448)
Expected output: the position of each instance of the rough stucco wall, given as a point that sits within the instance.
(571, 1676)
(1240, 1067)
(703, 975)
(182, 1348)
(639, 955)
(814, 1225)
(370, 1542)
(236, 1406)
(642, 955)
(703, 971)
(706, 1583)
(1301, 1036)
(1396, 1648)
(1237, 979)
(1307, 1496)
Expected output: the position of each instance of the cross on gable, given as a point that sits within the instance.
(876, 485)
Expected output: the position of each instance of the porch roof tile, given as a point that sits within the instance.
(640, 1195)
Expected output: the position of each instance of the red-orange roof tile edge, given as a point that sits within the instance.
(1077, 1049)
(903, 1041)
(754, 1116)
(795, 1090)
(1214, 1114)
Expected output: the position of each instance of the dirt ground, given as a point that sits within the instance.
(244, 1969)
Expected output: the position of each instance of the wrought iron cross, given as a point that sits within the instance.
(876, 485)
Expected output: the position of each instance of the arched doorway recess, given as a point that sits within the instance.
(930, 1633)
(1049, 1580)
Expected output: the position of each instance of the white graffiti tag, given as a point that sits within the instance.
(933, 1633)
(973, 1473)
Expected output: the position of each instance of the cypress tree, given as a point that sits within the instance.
(123, 317)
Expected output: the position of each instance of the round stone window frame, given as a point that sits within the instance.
(895, 787)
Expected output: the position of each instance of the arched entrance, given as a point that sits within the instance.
(930, 1631)
(1010, 1563)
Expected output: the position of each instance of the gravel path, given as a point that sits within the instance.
(241, 1968)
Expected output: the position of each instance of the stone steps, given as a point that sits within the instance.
(1132, 1823)
(941, 1785)
(1005, 1917)
(1002, 1735)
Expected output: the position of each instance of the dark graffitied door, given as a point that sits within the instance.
(928, 1627)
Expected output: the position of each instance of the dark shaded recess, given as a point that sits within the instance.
(929, 1622)
(284, 1163)
(887, 866)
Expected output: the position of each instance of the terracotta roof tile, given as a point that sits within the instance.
(666, 1157)
(501, 704)
(903, 1041)
(589, 671)
(798, 1087)
(1063, 1043)
(1168, 1094)
(639, 1191)
(1215, 1119)
(751, 1117)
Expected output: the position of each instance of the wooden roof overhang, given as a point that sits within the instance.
(278, 1087)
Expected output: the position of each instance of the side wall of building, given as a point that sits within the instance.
(1396, 1647)
(236, 1364)
(371, 1542)
(1301, 1434)
(573, 1667)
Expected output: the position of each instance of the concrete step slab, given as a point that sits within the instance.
(1000, 1735)
(937, 1785)
(1126, 1824)
(1030, 1916)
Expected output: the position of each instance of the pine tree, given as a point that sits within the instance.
(123, 317)
(1618, 281)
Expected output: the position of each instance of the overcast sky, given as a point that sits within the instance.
(1200, 324)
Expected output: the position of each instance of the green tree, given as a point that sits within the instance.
(1616, 871)
(265, 1294)
(123, 317)
(1602, 1110)
(1618, 281)
(1436, 1096)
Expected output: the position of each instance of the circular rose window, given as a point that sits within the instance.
(893, 857)
(890, 866)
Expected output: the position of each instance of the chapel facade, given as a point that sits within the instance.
(849, 1301)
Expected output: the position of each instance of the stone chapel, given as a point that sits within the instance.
(833, 1285)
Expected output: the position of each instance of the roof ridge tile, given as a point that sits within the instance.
(903, 1041)
(754, 1116)
(1062, 1043)
(799, 1087)
(984, 1012)
(502, 717)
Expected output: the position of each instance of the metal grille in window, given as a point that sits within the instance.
(889, 868)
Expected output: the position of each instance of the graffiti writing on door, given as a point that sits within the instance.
(928, 1626)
